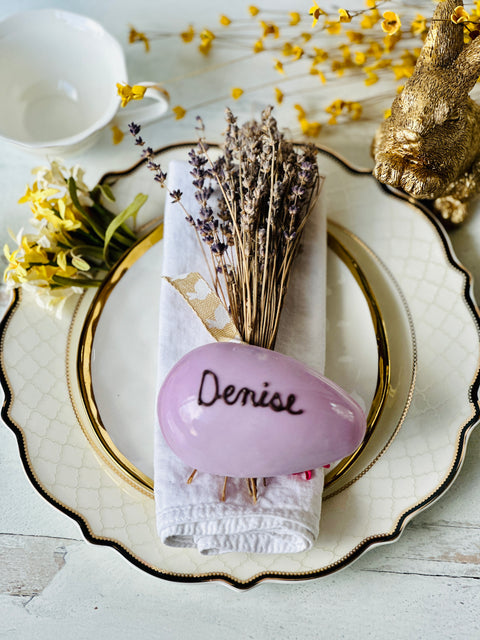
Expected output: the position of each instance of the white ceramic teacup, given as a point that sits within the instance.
(59, 72)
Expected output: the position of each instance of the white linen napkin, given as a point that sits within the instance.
(286, 517)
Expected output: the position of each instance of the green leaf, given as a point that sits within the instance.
(106, 192)
(124, 234)
(76, 282)
(85, 250)
(80, 264)
(78, 236)
(72, 188)
(132, 210)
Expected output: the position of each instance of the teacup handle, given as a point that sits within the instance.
(145, 113)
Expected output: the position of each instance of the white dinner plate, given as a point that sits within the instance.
(402, 336)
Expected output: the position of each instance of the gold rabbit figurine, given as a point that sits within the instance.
(430, 145)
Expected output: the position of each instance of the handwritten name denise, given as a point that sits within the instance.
(210, 391)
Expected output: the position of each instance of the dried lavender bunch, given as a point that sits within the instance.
(266, 189)
(254, 200)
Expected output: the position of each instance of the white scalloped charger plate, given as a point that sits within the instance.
(429, 406)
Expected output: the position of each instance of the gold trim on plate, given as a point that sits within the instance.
(384, 369)
(96, 431)
(84, 360)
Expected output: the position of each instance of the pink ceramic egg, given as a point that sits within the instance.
(242, 411)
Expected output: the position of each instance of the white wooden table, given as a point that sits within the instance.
(55, 584)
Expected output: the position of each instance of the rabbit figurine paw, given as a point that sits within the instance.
(430, 144)
(451, 209)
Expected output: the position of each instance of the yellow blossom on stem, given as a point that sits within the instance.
(62, 260)
(269, 29)
(316, 12)
(32, 253)
(371, 78)
(380, 64)
(204, 47)
(287, 49)
(306, 36)
(179, 112)
(224, 20)
(338, 67)
(320, 55)
(335, 109)
(345, 49)
(333, 27)
(258, 46)
(310, 129)
(359, 58)
(370, 19)
(387, 113)
(278, 95)
(301, 111)
(206, 39)
(406, 67)
(253, 10)
(400, 71)
(36, 194)
(294, 18)
(375, 49)
(138, 36)
(460, 15)
(355, 37)
(297, 52)
(343, 107)
(278, 66)
(237, 93)
(390, 42)
(419, 26)
(117, 134)
(356, 110)
(344, 15)
(188, 35)
(127, 93)
(391, 22)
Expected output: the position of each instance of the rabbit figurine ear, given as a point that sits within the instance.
(468, 66)
(444, 40)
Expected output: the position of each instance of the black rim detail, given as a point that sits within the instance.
(264, 576)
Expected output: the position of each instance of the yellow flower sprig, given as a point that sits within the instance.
(470, 21)
(391, 23)
(310, 128)
(74, 237)
(360, 42)
(128, 93)
(343, 107)
(138, 36)
(370, 16)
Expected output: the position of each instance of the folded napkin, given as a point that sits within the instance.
(285, 518)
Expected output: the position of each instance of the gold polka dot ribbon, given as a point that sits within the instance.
(207, 305)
